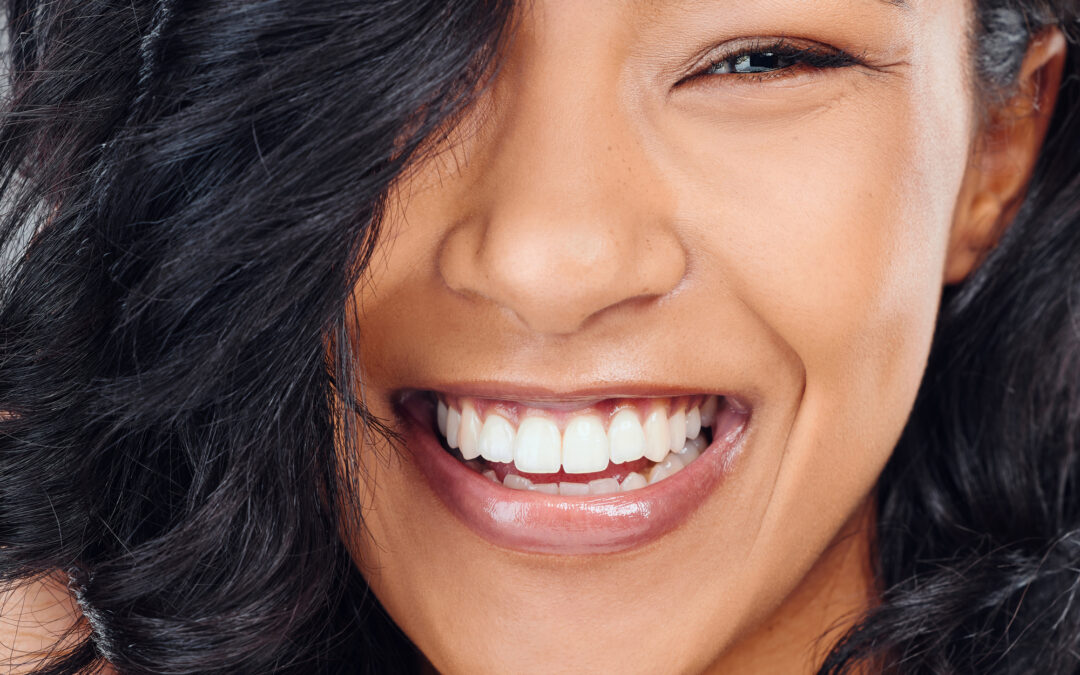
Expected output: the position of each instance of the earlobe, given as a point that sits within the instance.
(1004, 156)
(975, 233)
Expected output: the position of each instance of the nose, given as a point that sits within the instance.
(571, 220)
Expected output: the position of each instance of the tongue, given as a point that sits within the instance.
(617, 471)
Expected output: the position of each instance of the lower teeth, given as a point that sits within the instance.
(670, 465)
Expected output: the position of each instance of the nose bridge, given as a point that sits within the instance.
(564, 191)
(565, 136)
(572, 221)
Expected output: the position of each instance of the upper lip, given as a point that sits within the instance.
(518, 392)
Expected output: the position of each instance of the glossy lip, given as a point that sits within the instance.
(535, 522)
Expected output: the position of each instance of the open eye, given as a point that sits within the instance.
(776, 58)
(757, 62)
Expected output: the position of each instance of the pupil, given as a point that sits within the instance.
(760, 62)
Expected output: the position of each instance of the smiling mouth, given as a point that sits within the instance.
(573, 476)
(603, 447)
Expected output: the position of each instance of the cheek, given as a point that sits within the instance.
(840, 258)
(831, 234)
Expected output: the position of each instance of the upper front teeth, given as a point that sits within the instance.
(532, 445)
(585, 446)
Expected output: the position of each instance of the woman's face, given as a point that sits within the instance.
(654, 203)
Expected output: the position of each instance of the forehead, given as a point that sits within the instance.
(670, 31)
(716, 13)
(898, 4)
(717, 16)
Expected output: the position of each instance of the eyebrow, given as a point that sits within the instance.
(902, 4)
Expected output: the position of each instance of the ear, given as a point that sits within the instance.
(1004, 155)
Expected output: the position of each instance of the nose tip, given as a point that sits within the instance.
(554, 277)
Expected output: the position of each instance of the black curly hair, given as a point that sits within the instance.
(189, 192)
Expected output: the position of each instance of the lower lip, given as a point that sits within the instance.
(535, 522)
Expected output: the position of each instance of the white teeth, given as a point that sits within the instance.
(440, 416)
(688, 454)
(573, 489)
(657, 435)
(708, 410)
(693, 423)
(537, 447)
(671, 465)
(453, 422)
(469, 433)
(692, 450)
(677, 430)
(585, 445)
(516, 482)
(603, 486)
(634, 481)
(626, 437)
(496, 441)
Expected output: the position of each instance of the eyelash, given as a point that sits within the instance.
(800, 57)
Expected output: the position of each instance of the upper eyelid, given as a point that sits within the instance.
(738, 47)
(786, 48)
(779, 43)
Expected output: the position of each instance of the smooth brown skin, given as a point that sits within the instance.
(36, 620)
(593, 222)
